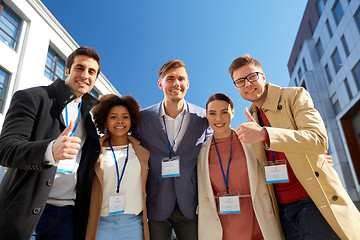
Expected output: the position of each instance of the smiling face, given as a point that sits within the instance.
(255, 91)
(82, 75)
(174, 84)
(118, 122)
(219, 114)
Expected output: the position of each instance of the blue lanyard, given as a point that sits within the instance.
(117, 168)
(167, 137)
(226, 178)
(262, 124)
(77, 120)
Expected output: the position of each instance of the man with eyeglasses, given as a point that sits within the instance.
(289, 139)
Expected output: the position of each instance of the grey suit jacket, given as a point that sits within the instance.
(162, 193)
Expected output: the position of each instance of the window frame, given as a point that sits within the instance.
(56, 61)
(337, 65)
(5, 88)
(336, 7)
(15, 40)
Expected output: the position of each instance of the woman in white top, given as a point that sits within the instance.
(117, 207)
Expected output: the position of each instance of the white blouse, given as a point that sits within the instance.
(130, 183)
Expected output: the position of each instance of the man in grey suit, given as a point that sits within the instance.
(173, 131)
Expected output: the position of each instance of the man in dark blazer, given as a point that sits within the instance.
(50, 145)
(173, 132)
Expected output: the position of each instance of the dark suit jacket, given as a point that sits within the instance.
(162, 193)
(33, 120)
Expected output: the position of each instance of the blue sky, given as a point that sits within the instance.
(135, 38)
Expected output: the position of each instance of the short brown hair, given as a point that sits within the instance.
(171, 64)
(87, 51)
(242, 61)
(219, 96)
(108, 101)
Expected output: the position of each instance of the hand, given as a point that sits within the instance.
(328, 158)
(66, 147)
(250, 132)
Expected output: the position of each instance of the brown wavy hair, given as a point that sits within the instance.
(101, 111)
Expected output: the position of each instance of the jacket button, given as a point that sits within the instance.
(36, 211)
(279, 107)
(49, 183)
(335, 198)
(316, 174)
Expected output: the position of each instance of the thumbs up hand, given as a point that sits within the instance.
(250, 132)
(248, 116)
(66, 147)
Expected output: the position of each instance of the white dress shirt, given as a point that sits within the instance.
(176, 128)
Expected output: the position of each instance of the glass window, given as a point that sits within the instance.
(55, 66)
(356, 73)
(328, 75)
(4, 85)
(346, 47)
(10, 25)
(355, 118)
(347, 86)
(300, 73)
(95, 93)
(335, 57)
(319, 48)
(329, 28)
(320, 6)
(357, 18)
(336, 104)
(338, 12)
(304, 64)
(311, 27)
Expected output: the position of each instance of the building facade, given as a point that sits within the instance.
(33, 50)
(325, 60)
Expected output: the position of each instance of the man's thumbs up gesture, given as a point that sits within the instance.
(250, 132)
(66, 147)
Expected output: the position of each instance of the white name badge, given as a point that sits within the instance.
(229, 203)
(117, 204)
(170, 167)
(276, 172)
(66, 166)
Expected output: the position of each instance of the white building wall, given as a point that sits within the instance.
(26, 63)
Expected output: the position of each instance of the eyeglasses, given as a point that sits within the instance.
(252, 77)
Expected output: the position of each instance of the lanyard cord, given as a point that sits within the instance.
(262, 124)
(226, 178)
(116, 164)
(77, 120)
(167, 137)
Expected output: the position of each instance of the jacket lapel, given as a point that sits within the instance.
(156, 121)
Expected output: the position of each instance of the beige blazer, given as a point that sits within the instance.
(98, 186)
(297, 129)
(209, 225)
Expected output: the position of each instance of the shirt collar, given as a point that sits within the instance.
(162, 109)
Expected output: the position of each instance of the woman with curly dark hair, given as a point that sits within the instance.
(118, 208)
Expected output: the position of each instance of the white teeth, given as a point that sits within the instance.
(253, 90)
